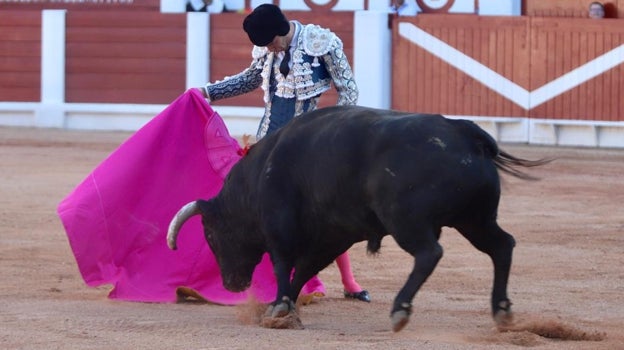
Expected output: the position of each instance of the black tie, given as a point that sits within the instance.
(284, 68)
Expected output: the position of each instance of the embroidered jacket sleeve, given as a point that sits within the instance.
(241, 83)
(338, 67)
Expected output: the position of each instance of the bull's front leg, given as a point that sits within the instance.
(279, 221)
(282, 312)
(284, 302)
(288, 288)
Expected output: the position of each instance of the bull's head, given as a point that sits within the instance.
(236, 256)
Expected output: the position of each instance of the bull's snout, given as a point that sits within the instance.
(236, 283)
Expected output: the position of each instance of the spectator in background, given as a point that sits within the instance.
(596, 10)
(234, 6)
(212, 6)
(404, 7)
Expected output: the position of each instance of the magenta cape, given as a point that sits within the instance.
(116, 220)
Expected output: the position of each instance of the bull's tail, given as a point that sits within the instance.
(509, 164)
(504, 161)
(186, 212)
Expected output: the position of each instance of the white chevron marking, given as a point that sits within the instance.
(578, 76)
(502, 85)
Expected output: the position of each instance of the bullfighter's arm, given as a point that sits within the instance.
(338, 67)
(241, 83)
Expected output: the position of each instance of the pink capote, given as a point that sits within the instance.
(116, 220)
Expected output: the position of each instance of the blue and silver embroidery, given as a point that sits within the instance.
(317, 60)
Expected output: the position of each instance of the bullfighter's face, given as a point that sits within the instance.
(281, 43)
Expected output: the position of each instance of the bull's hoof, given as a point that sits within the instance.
(289, 321)
(400, 317)
(503, 319)
(503, 316)
(399, 320)
(280, 309)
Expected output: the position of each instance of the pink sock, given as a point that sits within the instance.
(348, 280)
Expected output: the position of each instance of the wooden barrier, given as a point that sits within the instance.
(80, 5)
(510, 66)
(125, 57)
(133, 56)
(570, 8)
(561, 47)
(20, 56)
(423, 82)
(533, 73)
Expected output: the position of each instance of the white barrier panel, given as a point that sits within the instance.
(197, 49)
(50, 112)
(372, 58)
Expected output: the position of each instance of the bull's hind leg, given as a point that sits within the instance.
(498, 244)
(426, 252)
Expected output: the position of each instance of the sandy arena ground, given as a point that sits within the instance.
(567, 280)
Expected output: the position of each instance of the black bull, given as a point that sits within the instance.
(341, 175)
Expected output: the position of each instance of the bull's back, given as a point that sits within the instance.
(353, 141)
(344, 158)
(433, 155)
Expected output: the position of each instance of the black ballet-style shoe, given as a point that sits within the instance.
(361, 296)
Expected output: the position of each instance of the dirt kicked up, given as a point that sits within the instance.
(567, 278)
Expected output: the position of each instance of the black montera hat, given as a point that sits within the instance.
(265, 23)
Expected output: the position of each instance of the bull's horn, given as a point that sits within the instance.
(179, 219)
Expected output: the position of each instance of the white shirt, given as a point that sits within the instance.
(234, 5)
(216, 7)
(293, 42)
